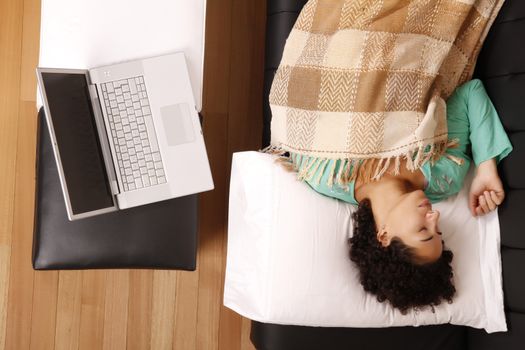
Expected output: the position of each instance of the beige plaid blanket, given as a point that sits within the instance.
(365, 82)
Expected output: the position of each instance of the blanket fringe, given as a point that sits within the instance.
(331, 174)
(397, 165)
(344, 170)
(341, 170)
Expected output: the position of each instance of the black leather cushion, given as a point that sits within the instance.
(278, 6)
(278, 27)
(508, 96)
(512, 169)
(514, 339)
(512, 10)
(513, 281)
(503, 38)
(511, 214)
(161, 235)
(278, 337)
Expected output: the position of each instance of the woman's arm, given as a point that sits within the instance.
(490, 144)
(487, 135)
(473, 120)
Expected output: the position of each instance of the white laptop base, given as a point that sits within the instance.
(149, 131)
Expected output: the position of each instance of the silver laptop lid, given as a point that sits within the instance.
(76, 139)
(75, 35)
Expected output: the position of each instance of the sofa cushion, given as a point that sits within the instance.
(513, 282)
(510, 340)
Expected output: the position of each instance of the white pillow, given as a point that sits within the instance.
(288, 259)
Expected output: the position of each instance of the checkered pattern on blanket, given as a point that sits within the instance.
(366, 80)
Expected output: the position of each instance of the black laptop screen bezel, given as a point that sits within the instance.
(76, 142)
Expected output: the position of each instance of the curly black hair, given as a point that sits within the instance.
(391, 272)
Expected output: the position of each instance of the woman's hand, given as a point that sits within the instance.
(486, 190)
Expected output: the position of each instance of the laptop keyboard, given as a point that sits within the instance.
(134, 138)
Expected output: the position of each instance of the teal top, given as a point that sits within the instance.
(471, 118)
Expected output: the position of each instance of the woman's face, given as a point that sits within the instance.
(414, 222)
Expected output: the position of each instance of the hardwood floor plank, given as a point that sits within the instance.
(91, 334)
(116, 310)
(30, 50)
(246, 63)
(185, 330)
(246, 343)
(229, 321)
(21, 273)
(5, 255)
(163, 309)
(246, 78)
(43, 315)
(11, 27)
(210, 251)
(212, 208)
(68, 310)
(139, 309)
(255, 132)
(217, 58)
(230, 328)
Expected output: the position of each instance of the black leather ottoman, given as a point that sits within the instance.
(161, 235)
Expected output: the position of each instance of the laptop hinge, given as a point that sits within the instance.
(93, 92)
(103, 137)
(114, 187)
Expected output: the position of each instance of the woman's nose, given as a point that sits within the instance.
(433, 215)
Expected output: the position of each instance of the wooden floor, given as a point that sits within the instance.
(125, 309)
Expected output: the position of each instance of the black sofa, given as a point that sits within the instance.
(501, 66)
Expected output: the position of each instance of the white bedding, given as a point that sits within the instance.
(288, 258)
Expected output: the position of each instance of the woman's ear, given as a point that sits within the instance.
(383, 237)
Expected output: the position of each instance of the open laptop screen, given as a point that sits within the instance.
(76, 135)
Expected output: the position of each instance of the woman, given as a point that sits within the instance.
(397, 243)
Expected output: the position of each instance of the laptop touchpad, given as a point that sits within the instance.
(177, 124)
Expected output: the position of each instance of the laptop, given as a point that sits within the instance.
(124, 135)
